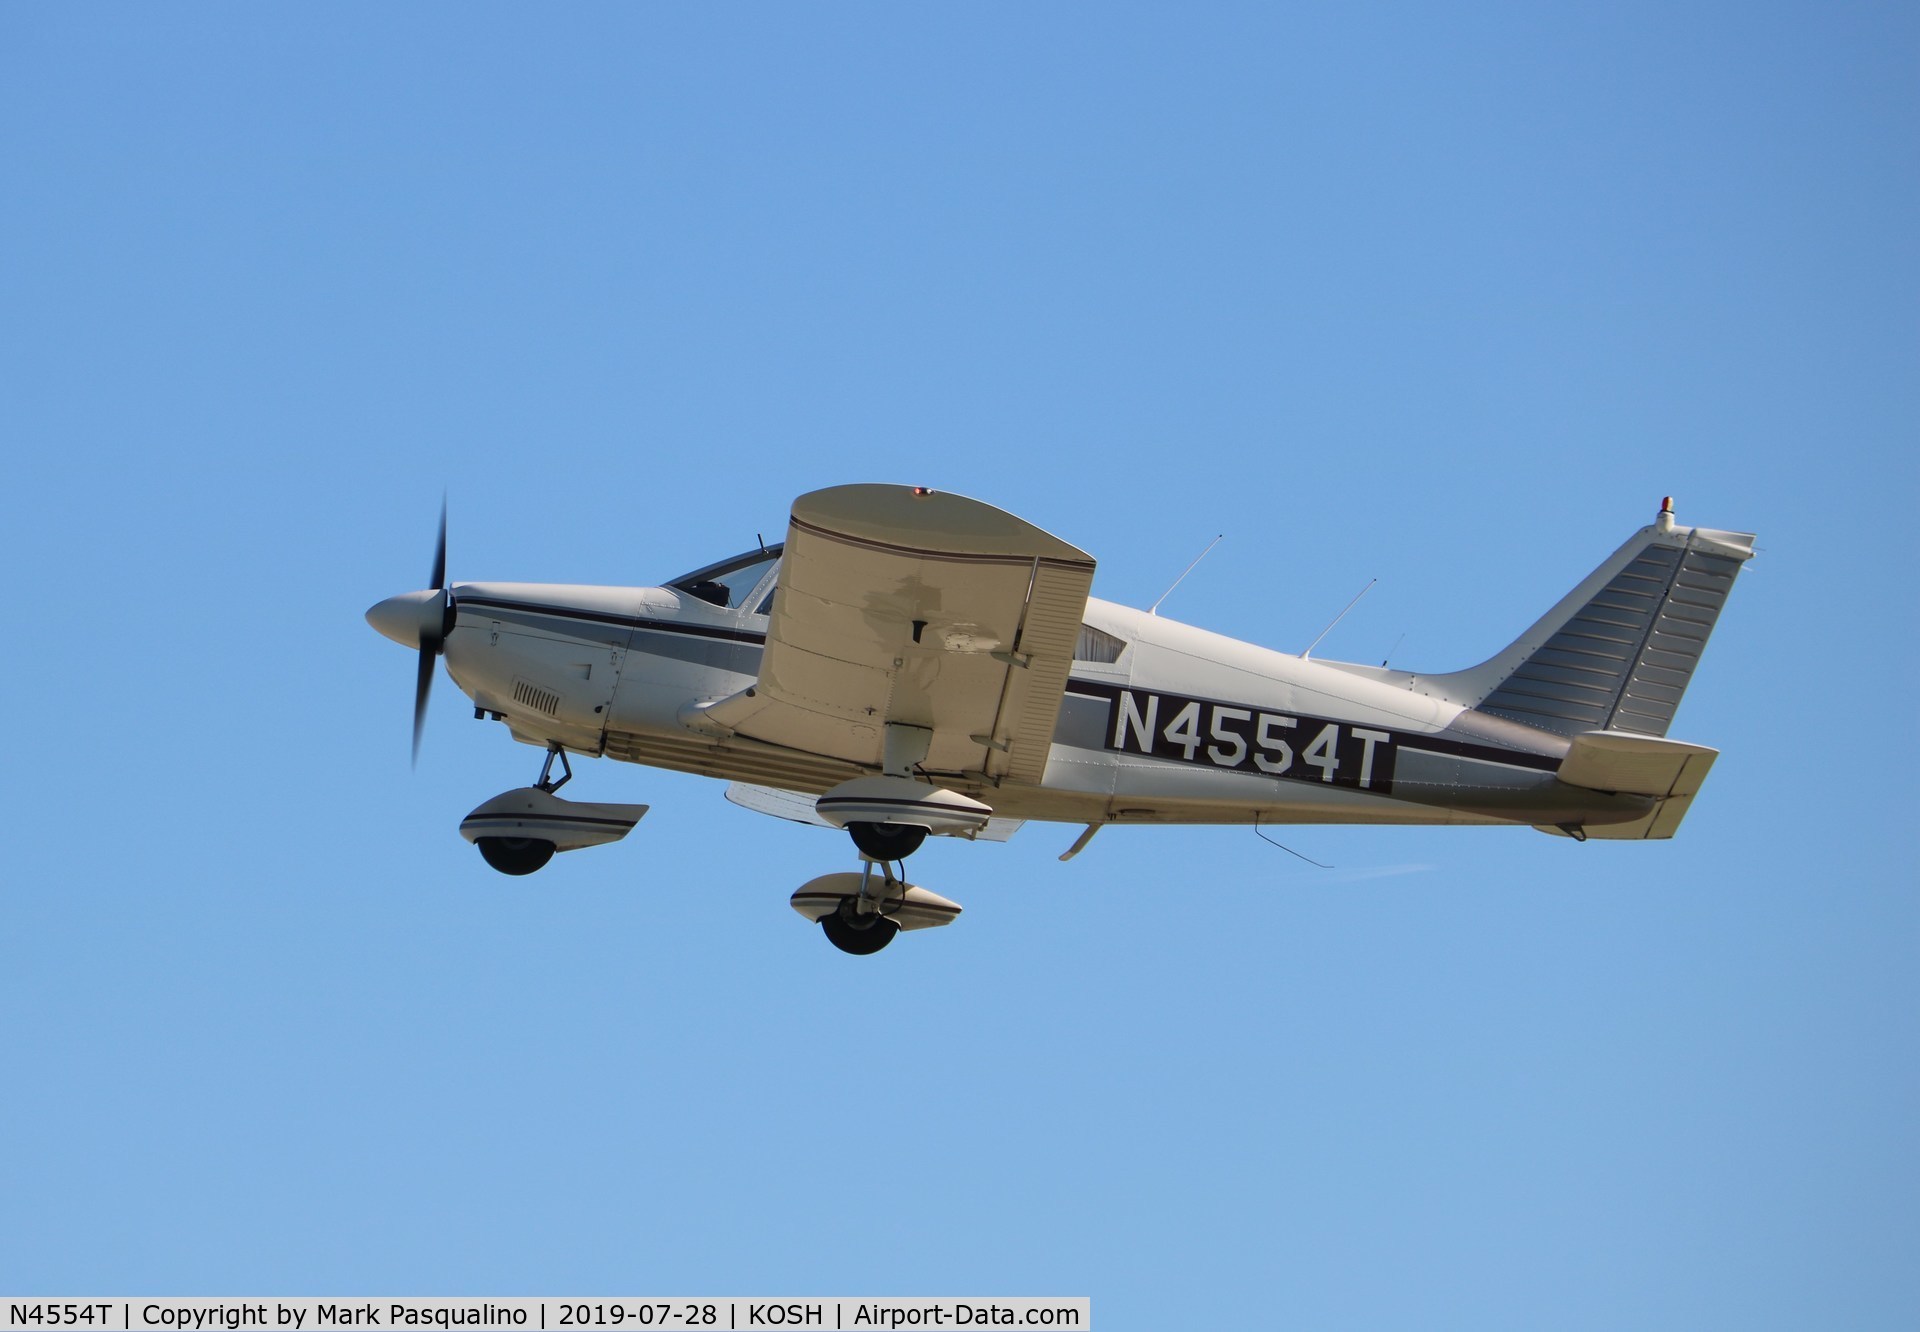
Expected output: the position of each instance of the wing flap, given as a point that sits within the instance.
(1023, 734)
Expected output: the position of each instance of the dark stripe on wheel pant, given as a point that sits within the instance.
(523, 820)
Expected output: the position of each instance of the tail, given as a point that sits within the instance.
(1619, 650)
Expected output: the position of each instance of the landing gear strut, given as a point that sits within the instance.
(546, 782)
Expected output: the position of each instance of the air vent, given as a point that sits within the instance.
(532, 696)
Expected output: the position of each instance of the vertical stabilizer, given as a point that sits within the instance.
(1618, 651)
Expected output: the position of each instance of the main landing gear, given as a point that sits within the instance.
(888, 815)
(857, 925)
(860, 913)
(886, 841)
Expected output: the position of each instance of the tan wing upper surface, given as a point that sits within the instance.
(899, 605)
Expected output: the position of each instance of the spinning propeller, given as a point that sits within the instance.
(421, 619)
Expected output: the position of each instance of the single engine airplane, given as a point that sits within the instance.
(910, 662)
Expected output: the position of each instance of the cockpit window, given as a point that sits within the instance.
(729, 583)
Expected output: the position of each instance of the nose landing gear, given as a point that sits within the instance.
(515, 855)
(519, 831)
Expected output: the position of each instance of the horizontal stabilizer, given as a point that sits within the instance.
(1671, 771)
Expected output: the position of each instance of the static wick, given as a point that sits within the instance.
(1283, 846)
(1154, 609)
(1336, 619)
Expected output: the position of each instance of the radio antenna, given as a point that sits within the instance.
(1282, 845)
(1154, 609)
(1336, 619)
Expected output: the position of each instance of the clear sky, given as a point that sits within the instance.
(1448, 296)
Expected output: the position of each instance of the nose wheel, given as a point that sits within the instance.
(524, 855)
(519, 831)
(515, 855)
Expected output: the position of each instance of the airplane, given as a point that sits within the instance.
(910, 662)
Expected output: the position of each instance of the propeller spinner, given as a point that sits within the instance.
(421, 620)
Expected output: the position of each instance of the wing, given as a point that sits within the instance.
(898, 605)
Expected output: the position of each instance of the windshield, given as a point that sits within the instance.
(730, 582)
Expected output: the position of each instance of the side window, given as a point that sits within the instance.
(729, 583)
(1097, 645)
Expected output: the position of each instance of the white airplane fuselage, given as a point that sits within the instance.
(910, 663)
(1181, 726)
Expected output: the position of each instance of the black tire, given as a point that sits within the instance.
(887, 841)
(861, 936)
(515, 855)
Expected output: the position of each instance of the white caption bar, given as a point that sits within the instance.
(570, 1314)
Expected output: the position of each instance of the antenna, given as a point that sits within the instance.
(1154, 609)
(1336, 619)
(1282, 845)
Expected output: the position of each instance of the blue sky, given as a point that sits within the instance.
(1448, 298)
